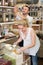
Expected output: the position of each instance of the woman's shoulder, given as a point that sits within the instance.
(31, 29)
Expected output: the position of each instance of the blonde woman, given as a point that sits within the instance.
(31, 42)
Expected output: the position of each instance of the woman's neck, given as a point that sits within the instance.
(25, 31)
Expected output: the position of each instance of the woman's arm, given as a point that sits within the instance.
(19, 40)
(33, 38)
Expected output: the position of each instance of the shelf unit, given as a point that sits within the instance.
(7, 14)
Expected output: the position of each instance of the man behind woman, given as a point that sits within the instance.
(31, 42)
(24, 14)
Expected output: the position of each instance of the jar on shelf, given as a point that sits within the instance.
(5, 31)
(0, 2)
(0, 30)
(6, 19)
(6, 3)
(9, 4)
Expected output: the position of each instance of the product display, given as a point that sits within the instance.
(10, 53)
(5, 62)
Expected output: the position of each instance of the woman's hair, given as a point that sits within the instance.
(24, 22)
(25, 25)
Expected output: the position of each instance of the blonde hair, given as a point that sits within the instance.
(23, 22)
(25, 25)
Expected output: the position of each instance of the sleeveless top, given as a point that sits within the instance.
(28, 41)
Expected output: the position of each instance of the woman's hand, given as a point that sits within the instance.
(20, 50)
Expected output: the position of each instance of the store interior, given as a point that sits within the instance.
(9, 30)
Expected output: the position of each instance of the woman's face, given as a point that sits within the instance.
(21, 27)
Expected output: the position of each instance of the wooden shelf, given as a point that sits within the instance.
(36, 27)
(9, 7)
(4, 23)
